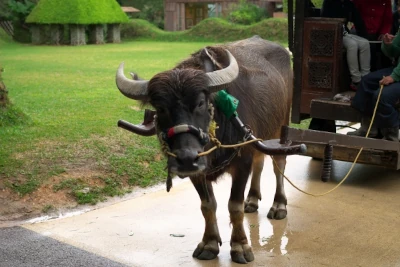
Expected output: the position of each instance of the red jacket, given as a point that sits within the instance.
(377, 15)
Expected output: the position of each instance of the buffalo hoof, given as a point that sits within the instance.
(277, 214)
(250, 207)
(241, 253)
(206, 251)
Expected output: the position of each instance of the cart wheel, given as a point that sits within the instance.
(322, 125)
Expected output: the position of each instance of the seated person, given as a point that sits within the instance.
(377, 16)
(387, 114)
(357, 48)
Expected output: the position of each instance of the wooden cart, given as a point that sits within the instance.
(320, 72)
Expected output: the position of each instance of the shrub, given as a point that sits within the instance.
(3, 92)
(317, 3)
(18, 11)
(153, 14)
(246, 13)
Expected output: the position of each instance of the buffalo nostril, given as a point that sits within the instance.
(187, 158)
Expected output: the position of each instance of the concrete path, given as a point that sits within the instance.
(356, 225)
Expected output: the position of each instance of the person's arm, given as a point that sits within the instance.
(391, 49)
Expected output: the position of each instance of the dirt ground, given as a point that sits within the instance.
(15, 209)
(43, 201)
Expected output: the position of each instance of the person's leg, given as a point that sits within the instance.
(387, 114)
(351, 47)
(364, 102)
(364, 54)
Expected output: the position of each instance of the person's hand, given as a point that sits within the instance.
(386, 80)
(387, 38)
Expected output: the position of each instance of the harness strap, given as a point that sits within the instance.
(185, 128)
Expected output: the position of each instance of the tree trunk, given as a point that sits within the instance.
(114, 33)
(55, 34)
(37, 34)
(78, 36)
(96, 34)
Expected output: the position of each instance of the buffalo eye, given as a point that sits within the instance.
(161, 110)
(201, 104)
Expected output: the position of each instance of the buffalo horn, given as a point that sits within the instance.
(135, 89)
(220, 79)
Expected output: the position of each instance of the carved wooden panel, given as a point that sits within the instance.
(322, 43)
(320, 74)
(322, 60)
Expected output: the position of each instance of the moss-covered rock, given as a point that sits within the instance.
(77, 12)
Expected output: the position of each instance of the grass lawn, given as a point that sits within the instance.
(73, 105)
(68, 137)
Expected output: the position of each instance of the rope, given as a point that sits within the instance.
(352, 166)
(218, 145)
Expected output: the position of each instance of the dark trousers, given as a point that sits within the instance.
(387, 115)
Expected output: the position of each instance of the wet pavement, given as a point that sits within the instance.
(356, 225)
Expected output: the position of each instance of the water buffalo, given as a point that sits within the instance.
(259, 75)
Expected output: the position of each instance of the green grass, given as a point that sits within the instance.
(68, 108)
(62, 124)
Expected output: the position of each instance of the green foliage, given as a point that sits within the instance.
(10, 115)
(246, 13)
(17, 11)
(140, 4)
(154, 14)
(20, 9)
(77, 12)
(22, 33)
(150, 10)
(317, 3)
(211, 29)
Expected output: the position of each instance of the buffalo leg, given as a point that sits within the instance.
(251, 204)
(208, 248)
(241, 251)
(278, 210)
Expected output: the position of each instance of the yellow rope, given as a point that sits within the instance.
(352, 166)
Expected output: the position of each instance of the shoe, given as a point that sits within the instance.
(391, 134)
(362, 131)
(354, 86)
